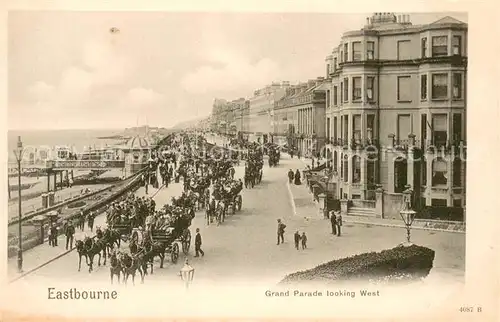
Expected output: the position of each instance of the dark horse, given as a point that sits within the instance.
(112, 238)
(80, 248)
(115, 268)
(94, 247)
(130, 264)
(153, 249)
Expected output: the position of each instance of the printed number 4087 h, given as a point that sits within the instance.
(467, 309)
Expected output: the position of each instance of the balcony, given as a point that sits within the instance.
(447, 147)
(356, 144)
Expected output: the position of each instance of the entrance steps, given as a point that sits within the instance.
(363, 212)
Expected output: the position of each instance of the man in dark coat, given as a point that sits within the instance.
(333, 220)
(339, 224)
(297, 177)
(197, 244)
(70, 232)
(290, 176)
(281, 232)
(296, 239)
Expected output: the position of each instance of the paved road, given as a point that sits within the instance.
(243, 249)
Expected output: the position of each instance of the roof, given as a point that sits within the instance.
(447, 20)
(138, 142)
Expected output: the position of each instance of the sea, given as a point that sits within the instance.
(79, 140)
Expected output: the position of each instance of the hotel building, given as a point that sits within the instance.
(396, 113)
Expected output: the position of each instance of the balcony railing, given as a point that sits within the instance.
(355, 143)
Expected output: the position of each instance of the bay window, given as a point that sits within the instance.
(439, 172)
(370, 82)
(439, 129)
(356, 169)
(356, 88)
(439, 86)
(457, 85)
(346, 89)
(423, 46)
(356, 51)
(439, 46)
(456, 45)
(356, 128)
(423, 87)
(346, 52)
(370, 50)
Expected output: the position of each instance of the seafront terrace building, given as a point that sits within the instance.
(261, 111)
(396, 115)
(299, 116)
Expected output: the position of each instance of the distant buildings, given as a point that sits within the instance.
(389, 114)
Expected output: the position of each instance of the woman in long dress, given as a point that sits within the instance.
(297, 177)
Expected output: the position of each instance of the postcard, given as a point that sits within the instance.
(283, 161)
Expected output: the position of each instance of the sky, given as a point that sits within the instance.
(68, 70)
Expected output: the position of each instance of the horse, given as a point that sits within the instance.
(80, 248)
(129, 265)
(154, 249)
(112, 237)
(92, 248)
(115, 267)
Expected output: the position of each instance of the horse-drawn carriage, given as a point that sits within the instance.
(173, 239)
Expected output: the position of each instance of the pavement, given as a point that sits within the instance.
(243, 249)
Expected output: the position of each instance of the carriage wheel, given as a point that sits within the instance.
(240, 202)
(174, 254)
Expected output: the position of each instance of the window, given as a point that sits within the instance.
(370, 50)
(457, 85)
(438, 203)
(370, 172)
(439, 172)
(335, 161)
(346, 127)
(341, 56)
(328, 128)
(328, 98)
(335, 64)
(424, 172)
(356, 169)
(457, 172)
(327, 70)
(404, 50)
(400, 174)
(356, 88)
(423, 46)
(439, 130)
(356, 51)
(335, 95)
(423, 128)
(439, 46)
(404, 128)
(457, 127)
(346, 89)
(370, 126)
(356, 128)
(457, 203)
(341, 92)
(439, 86)
(404, 90)
(370, 82)
(335, 129)
(346, 52)
(346, 168)
(456, 45)
(423, 87)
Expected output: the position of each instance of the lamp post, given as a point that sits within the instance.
(187, 273)
(407, 214)
(18, 152)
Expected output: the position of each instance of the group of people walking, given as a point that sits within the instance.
(294, 177)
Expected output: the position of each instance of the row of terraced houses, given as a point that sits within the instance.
(390, 112)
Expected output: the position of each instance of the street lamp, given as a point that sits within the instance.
(18, 152)
(407, 214)
(187, 273)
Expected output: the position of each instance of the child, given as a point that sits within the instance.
(304, 240)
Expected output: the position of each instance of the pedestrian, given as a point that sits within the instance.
(290, 176)
(339, 224)
(333, 221)
(197, 244)
(281, 232)
(90, 220)
(53, 234)
(304, 240)
(81, 220)
(296, 238)
(50, 234)
(291, 153)
(297, 177)
(70, 232)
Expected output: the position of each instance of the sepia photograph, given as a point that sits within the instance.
(175, 163)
